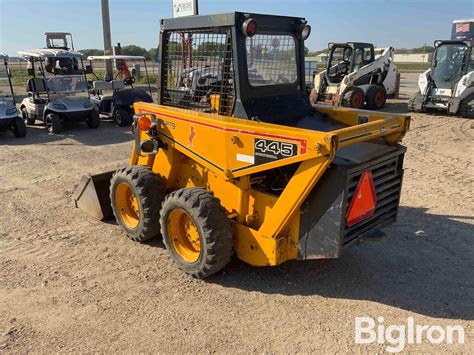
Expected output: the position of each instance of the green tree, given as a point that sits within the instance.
(211, 48)
(422, 49)
(88, 52)
(151, 54)
(132, 49)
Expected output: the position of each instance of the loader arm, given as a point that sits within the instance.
(381, 62)
(229, 147)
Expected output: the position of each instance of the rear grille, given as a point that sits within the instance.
(387, 177)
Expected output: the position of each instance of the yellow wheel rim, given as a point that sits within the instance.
(184, 235)
(127, 205)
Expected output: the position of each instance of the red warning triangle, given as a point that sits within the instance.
(364, 200)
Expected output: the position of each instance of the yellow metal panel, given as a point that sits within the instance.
(260, 205)
(257, 250)
(352, 117)
(299, 186)
(226, 144)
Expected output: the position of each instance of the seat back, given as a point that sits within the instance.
(108, 85)
(36, 86)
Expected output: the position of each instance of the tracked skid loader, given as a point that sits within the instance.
(234, 159)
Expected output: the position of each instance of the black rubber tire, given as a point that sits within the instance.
(93, 121)
(18, 127)
(466, 108)
(353, 98)
(122, 117)
(213, 225)
(53, 123)
(412, 102)
(24, 115)
(376, 97)
(149, 188)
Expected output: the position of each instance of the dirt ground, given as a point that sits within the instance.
(70, 283)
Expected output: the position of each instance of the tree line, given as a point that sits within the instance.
(149, 54)
(206, 47)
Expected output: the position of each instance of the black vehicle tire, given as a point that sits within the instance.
(196, 231)
(53, 123)
(24, 115)
(376, 97)
(466, 108)
(413, 101)
(353, 98)
(93, 121)
(122, 117)
(140, 186)
(18, 127)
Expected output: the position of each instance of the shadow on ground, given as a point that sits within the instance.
(424, 266)
(73, 133)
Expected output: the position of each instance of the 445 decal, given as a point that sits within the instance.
(269, 150)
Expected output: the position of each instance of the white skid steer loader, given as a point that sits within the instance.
(449, 84)
(354, 77)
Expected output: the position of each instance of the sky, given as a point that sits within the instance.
(396, 23)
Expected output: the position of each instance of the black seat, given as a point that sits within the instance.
(36, 86)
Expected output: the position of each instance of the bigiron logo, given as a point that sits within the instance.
(397, 336)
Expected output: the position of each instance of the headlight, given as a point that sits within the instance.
(11, 111)
(87, 104)
(59, 106)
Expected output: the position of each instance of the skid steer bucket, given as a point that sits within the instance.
(92, 195)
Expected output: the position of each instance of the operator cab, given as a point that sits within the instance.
(235, 64)
(344, 58)
(451, 60)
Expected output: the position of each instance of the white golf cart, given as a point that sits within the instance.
(115, 97)
(57, 89)
(9, 119)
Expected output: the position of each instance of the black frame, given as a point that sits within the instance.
(353, 46)
(7, 70)
(244, 91)
(466, 58)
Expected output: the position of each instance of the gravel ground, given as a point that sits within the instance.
(70, 283)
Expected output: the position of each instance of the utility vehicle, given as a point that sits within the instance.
(115, 98)
(59, 40)
(449, 84)
(251, 166)
(9, 119)
(355, 77)
(57, 89)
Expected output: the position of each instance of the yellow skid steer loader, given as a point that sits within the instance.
(235, 159)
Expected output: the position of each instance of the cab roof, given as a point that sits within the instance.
(350, 44)
(264, 22)
(114, 57)
(50, 52)
(469, 43)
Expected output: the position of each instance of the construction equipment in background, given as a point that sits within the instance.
(9, 119)
(449, 84)
(242, 162)
(354, 77)
(59, 40)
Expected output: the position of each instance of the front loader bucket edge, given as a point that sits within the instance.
(92, 195)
